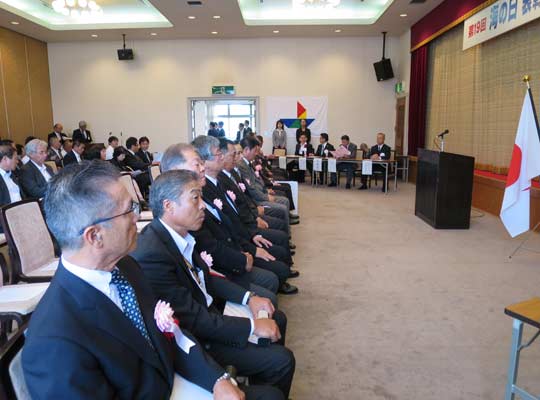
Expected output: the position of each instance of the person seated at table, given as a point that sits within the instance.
(348, 167)
(76, 153)
(94, 333)
(380, 151)
(303, 149)
(324, 150)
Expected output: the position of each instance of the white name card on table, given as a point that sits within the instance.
(367, 167)
(283, 162)
(302, 163)
(332, 165)
(317, 164)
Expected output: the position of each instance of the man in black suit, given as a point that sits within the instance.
(143, 153)
(82, 134)
(324, 150)
(10, 190)
(35, 174)
(303, 149)
(75, 155)
(93, 335)
(58, 132)
(55, 152)
(380, 151)
(180, 276)
(134, 162)
(240, 132)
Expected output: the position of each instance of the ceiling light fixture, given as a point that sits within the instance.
(402, 15)
(214, 33)
(77, 8)
(216, 16)
(191, 17)
(15, 23)
(338, 31)
(275, 31)
(94, 35)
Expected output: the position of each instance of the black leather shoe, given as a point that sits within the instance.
(294, 273)
(363, 187)
(348, 186)
(293, 216)
(287, 288)
(293, 252)
(292, 246)
(293, 222)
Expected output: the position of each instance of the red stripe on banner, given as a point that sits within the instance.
(515, 166)
(300, 109)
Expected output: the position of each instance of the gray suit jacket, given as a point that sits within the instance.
(279, 139)
(255, 187)
(353, 149)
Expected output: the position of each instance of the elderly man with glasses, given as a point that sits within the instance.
(94, 334)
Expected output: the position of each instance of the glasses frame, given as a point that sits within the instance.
(135, 208)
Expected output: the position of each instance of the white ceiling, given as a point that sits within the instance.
(229, 25)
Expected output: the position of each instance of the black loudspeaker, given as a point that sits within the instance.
(125, 54)
(383, 69)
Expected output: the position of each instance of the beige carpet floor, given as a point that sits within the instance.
(391, 308)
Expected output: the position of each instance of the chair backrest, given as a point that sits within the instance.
(52, 164)
(27, 235)
(16, 375)
(128, 184)
(154, 172)
(392, 155)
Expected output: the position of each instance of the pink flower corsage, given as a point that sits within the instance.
(257, 174)
(242, 187)
(258, 167)
(207, 258)
(218, 203)
(231, 194)
(163, 314)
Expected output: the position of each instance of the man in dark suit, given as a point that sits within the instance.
(324, 150)
(240, 132)
(82, 134)
(380, 151)
(347, 167)
(54, 153)
(303, 149)
(10, 190)
(58, 132)
(134, 162)
(143, 153)
(93, 335)
(35, 174)
(179, 275)
(75, 155)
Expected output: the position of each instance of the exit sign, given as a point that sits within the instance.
(399, 88)
(223, 90)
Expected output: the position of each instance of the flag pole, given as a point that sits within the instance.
(527, 79)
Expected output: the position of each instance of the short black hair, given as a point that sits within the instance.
(325, 136)
(345, 137)
(6, 150)
(6, 142)
(132, 141)
(223, 144)
(143, 139)
(250, 142)
(94, 152)
(169, 185)
(20, 149)
(119, 150)
(77, 143)
(112, 139)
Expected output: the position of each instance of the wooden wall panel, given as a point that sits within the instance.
(16, 85)
(3, 114)
(40, 87)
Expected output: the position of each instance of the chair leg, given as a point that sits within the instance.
(517, 333)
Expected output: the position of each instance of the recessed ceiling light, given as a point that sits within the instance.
(275, 31)
(214, 33)
(191, 17)
(216, 16)
(337, 30)
(153, 33)
(94, 35)
(15, 23)
(402, 15)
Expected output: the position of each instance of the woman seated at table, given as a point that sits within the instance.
(303, 149)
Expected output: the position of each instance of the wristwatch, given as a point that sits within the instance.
(227, 377)
(251, 294)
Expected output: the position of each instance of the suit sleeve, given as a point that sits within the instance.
(64, 371)
(29, 184)
(193, 316)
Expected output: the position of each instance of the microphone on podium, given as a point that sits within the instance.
(442, 134)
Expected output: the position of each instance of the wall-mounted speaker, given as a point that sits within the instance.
(125, 54)
(383, 69)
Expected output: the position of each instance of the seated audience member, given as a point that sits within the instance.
(95, 152)
(221, 131)
(347, 167)
(279, 137)
(55, 152)
(75, 155)
(35, 174)
(216, 237)
(324, 150)
(21, 154)
(143, 153)
(303, 149)
(58, 132)
(113, 144)
(25, 158)
(240, 133)
(276, 206)
(118, 160)
(380, 151)
(94, 335)
(267, 255)
(82, 134)
(136, 164)
(67, 147)
(10, 191)
(180, 276)
(213, 131)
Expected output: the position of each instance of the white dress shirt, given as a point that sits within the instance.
(99, 280)
(43, 170)
(14, 191)
(303, 149)
(109, 153)
(25, 159)
(229, 200)
(77, 156)
(212, 209)
(186, 245)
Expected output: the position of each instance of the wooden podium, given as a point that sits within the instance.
(444, 189)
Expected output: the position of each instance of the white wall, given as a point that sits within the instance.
(148, 96)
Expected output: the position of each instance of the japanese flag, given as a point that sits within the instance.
(524, 166)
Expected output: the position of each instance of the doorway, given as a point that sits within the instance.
(400, 124)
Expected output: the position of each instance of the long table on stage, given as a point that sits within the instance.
(386, 164)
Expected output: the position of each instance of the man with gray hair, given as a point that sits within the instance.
(82, 134)
(35, 174)
(94, 334)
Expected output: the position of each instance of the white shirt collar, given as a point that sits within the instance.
(227, 173)
(100, 280)
(41, 168)
(77, 156)
(5, 174)
(245, 160)
(185, 244)
(213, 180)
(132, 153)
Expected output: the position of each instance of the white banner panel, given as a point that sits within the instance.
(317, 164)
(332, 166)
(501, 17)
(283, 162)
(302, 164)
(291, 110)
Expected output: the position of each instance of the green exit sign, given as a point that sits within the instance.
(399, 87)
(223, 90)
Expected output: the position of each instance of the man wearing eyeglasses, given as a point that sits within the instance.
(93, 335)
